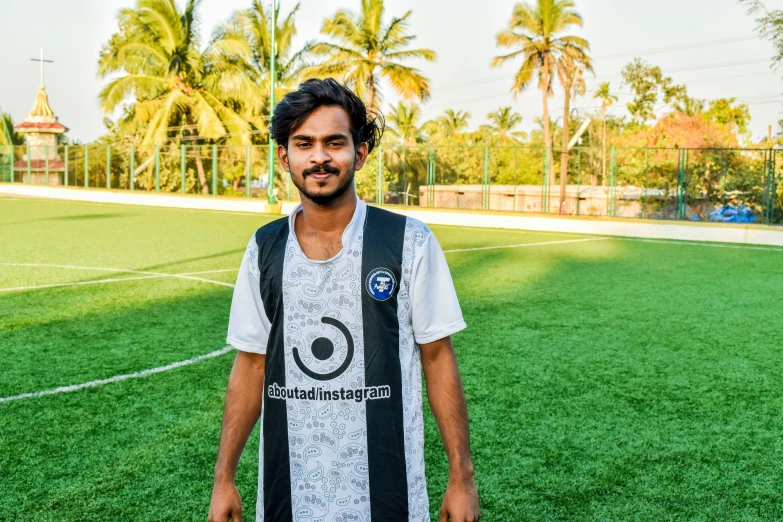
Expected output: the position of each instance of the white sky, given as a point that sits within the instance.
(729, 60)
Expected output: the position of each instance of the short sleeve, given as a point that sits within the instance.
(248, 325)
(435, 309)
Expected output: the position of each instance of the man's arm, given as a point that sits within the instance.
(447, 401)
(240, 413)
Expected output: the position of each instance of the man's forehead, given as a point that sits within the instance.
(327, 120)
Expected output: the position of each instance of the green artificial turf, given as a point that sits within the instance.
(606, 380)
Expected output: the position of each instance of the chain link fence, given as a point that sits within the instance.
(643, 183)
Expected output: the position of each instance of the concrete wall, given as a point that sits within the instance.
(722, 233)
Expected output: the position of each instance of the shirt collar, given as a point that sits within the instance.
(351, 234)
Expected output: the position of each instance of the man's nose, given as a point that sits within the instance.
(319, 155)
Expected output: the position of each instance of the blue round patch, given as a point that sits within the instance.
(381, 284)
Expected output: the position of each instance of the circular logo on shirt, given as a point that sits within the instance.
(323, 348)
(381, 284)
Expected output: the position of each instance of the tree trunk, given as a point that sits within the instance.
(603, 147)
(370, 93)
(564, 148)
(547, 132)
(202, 178)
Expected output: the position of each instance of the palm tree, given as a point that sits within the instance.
(171, 81)
(502, 124)
(247, 40)
(447, 126)
(402, 124)
(690, 106)
(571, 75)
(607, 99)
(367, 50)
(537, 34)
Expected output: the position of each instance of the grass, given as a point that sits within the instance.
(606, 380)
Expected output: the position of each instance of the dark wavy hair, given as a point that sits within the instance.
(366, 126)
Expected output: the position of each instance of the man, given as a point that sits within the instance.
(335, 310)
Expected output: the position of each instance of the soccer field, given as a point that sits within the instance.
(607, 379)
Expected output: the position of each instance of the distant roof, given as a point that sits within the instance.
(26, 126)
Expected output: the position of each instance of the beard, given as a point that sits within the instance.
(322, 197)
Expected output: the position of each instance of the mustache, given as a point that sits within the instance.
(329, 169)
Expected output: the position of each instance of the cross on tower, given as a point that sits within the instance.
(41, 60)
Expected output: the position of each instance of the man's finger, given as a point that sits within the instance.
(444, 515)
(236, 517)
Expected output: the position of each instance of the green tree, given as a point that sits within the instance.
(607, 98)
(727, 112)
(368, 51)
(8, 136)
(537, 33)
(689, 106)
(502, 124)
(571, 75)
(648, 83)
(402, 124)
(155, 62)
(445, 127)
(246, 41)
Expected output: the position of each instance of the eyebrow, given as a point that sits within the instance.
(304, 137)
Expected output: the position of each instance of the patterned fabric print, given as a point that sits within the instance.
(327, 438)
(416, 234)
(252, 256)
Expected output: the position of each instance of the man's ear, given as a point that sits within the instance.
(282, 155)
(361, 156)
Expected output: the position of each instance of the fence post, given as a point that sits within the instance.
(182, 168)
(578, 177)
(66, 165)
(516, 150)
(485, 204)
(430, 177)
(405, 173)
(108, 166)
(723, 178)
(545, 186)
(612, 184)
(131, 174)
(46, 161)
(157, 168)
(214, 170)
(86, 166)
(646, 179)
(379, 181)
(768, 200)
(247, 172)
(29, 168)
(680, 209)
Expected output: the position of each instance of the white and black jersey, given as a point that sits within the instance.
(342, 432)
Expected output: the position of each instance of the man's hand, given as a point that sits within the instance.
(226, 503)
(460, 503)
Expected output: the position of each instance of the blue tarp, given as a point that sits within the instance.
(733, 214)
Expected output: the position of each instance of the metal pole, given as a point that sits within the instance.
(544, 189)
(380, 176)
(132, 172)
(646, 179)
(515, 178)
(108, 166)
(578, 177)
(157, 168)
(182, 168)
(405, 172)
(458, 151)
(680, 206)
(247, 172)
(485, 191)
(612, 181)
(46, 161)
(29, 168)
(214, 169)
(66, 165)
(86, 166)
(272, 79)
(723, 178)
(430, 178)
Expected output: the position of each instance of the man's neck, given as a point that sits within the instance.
(329, 219)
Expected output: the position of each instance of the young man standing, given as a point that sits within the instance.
(335, 311)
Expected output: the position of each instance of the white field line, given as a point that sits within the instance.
(696, 243)
(77, 283)
(186, 275)
(118, 378)
(522, 245)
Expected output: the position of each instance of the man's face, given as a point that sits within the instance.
(321, 155)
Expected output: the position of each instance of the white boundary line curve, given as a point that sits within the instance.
(118, 378)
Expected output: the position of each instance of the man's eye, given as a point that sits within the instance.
(303, 145)
(336, 144)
